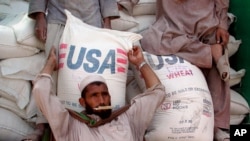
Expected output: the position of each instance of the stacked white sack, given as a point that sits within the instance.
(239, 108)
(20, 61)
(135, 18)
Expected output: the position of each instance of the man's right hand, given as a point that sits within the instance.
(136, 57)
(41, 26)
(51, 63)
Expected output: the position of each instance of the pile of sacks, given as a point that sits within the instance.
(22, 58)
(142, 15)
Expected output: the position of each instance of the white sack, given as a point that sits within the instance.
(31, 109)
(11, 106)
(16, 90)
(144, 22)
(144, 7)
(25, 33)
(10, 19)
(130, 76)
(231, 18)
(233, 45)
(12, 127)
(25, 68)
(4, 2)
(132, 90)
(9, 48)
(236, 119)
(236, 76)
(13, 6)
(187, 111)
(239, 105)
(84, 50)
(125, 22)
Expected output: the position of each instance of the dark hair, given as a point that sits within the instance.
(85, 90)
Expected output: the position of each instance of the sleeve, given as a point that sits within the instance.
(143, 108)
(49, 104)
(128, 5)
(221, 12)
(37, 6)
(109, 8)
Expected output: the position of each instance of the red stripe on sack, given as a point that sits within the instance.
(63, 46)
(121, 69)
(61, 65)
(120, 51)
(62, 55)
(122, 61)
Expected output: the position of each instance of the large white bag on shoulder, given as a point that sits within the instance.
(85, 50)
(187, 111)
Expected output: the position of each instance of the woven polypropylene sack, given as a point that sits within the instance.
(238, 104)
(12, 127)
(187, 111)
(16, 90)
(85, 50)
(9, 48)
(145, 7)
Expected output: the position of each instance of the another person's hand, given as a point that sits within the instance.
(222, 36)
(41, 27)
(135, 56)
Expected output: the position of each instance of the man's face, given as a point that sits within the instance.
(97, 95)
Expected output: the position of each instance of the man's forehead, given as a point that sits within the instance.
(96, 88)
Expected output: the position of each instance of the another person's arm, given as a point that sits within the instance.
(222, 35)
(37, 10)
(109, 11)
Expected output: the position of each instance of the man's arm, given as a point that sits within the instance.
(51, 64)
(149, 101)
(222, 35)
(36, 6)
(37, 10)
(48, 103)
(135, 56)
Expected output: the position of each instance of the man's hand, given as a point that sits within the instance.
(222, 36)
(51, 63)
(41, 27)
(135, 56)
